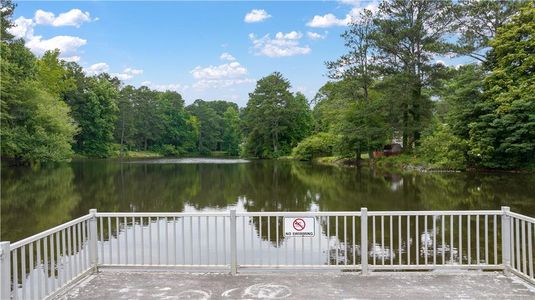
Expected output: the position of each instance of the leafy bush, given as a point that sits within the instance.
(443, 149)
(169, 150)
(320, 144)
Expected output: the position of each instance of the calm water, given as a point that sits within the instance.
(36, 199)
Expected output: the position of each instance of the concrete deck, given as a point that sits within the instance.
(299, 285)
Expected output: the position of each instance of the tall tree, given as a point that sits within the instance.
(147, 119)
(125, 129)
(231, 132)
(504, 134)
(268, 118)
(357, 64)
(477, 22)
(409, 33)
(97, 113)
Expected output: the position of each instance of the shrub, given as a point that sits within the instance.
(320, 144)
(443, 149)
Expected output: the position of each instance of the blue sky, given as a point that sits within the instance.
(209, 50)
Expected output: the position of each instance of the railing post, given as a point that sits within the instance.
(364, 240)
(506, 239)
(93, 252)
(5, 270)
(233, 244)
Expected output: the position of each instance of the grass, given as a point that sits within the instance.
(139, 154)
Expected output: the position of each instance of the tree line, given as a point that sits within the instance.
(388, 86)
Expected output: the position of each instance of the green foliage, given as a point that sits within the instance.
(274, 120)
(42, 129)
(477, 22)
(364, 128)
(317, 145)
(6, 12)
(97, 114)
(52, 74)
(462, 93)
(503, 136)
(231, 131)
(443, 149)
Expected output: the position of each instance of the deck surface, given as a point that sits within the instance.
(299, 285)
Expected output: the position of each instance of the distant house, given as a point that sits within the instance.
(388, 150)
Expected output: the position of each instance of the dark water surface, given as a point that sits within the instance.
(33, 200)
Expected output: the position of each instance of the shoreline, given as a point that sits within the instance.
(404, 167)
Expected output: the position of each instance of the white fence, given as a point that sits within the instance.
(44, 264)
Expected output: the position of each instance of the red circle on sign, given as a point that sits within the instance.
(299, 224)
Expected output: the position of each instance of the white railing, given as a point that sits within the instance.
(45, 264)
(42, 265)
(518, 246)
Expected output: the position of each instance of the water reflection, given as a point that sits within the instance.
(36, 199)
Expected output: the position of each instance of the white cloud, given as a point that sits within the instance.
(74, 58)
(74, 17)
(23, 28)
(133, 71)
(128, 74)
(256, 15)
(284, 44)
(293, 35)
(316, 36)
(220, 76)
(230, 70)
(97, 68)
(330, 20)
(67, 45)
(221, 83)
(227, 56)
(175, 87)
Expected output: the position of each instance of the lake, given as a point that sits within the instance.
(35, 199)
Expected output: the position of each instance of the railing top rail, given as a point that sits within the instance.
(301, 213)
(48, 232)
(297, 213)
(435, 213)
(162, 214)
(521, 217)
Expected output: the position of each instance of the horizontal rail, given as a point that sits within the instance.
(436, 213)
(48, 232)
(521, 217)
(299, 214)
(161, 214)
(436, 267)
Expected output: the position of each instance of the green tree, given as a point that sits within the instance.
(462, 93)
(504, 134)
(443, 149)
(209, 126)
(357, 64)
(477, 22)
(231, 132)
(174, 119)
(269, 116)
(42, 129)
(364, 128)
(409, 34)
(125, 129)
(97, 113)
(148, 127)
(52, 74)
(6, 12)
